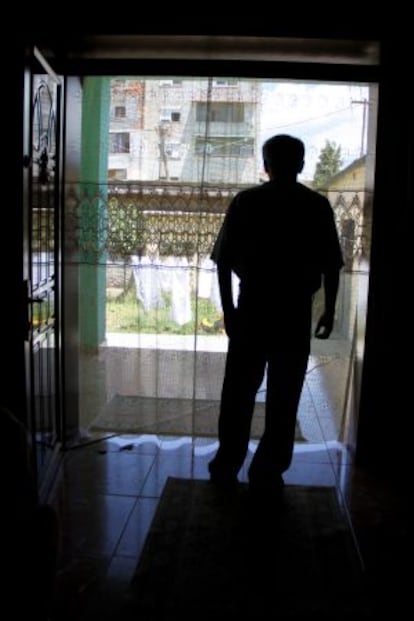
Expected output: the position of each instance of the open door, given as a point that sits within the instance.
(42, 262)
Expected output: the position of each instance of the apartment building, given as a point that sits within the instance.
(185, 130)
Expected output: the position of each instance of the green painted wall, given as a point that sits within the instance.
(93, 192)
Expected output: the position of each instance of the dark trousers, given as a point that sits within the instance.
(245, 368)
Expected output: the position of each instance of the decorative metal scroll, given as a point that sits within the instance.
(348, 208)
(44, 134)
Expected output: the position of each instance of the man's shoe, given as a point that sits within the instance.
(221, 478)
(224, 483)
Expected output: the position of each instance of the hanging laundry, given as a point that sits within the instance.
(181, 292)
(147, 282)
(206, 273)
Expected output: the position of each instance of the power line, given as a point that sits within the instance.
(310, 119)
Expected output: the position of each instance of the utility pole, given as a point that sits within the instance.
(363, 102)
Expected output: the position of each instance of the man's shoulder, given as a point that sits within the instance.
(252, 193)
(311, 193)
(314, 198)
(298, 193)
(252, 190)
(242, 200)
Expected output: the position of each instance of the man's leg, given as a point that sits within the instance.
(285, 377)
(243, 376)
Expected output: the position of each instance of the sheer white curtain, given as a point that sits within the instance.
(179, 148)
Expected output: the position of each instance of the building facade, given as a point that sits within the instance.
(183, 129)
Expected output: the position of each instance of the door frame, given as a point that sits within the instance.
(42, 200)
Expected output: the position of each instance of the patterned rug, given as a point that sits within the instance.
(149, 415)
(215, 556)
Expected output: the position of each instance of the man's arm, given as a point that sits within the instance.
(325, 323)
(332, 265)
(226, 294)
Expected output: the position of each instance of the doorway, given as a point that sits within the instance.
(131, 221)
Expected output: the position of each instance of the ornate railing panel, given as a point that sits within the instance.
(112, 222)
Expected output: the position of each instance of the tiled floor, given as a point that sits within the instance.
(109, 485)
(107, 492)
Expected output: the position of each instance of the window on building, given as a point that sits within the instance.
(117, 174)
(173, 150)
(119, 112)
(119, 142)
(225, 82)
(172, 82)
(220, 112)
(167, 114)
(224, 146)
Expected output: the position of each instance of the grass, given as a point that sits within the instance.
(126, 314)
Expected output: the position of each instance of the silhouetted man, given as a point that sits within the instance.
(280, 239)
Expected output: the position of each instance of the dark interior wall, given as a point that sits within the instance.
(385, 399)
(384, 396)
(12, 382)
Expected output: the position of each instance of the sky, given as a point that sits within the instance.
(315, 113)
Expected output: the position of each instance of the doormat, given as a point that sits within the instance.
(214, 556)
(152, 415)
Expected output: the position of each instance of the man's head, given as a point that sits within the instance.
(283, 156)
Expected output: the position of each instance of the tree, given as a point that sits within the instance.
(328, 164)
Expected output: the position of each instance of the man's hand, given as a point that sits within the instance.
(324, 326)
(230, 321)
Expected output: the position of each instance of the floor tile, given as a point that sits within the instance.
(93, 526)
(77, 583)
(108, 492)
(310, 473)
(107, 601)
(166, 465)
(101, 472)
(136, 530)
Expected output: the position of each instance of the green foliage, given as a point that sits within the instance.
(329, 163)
